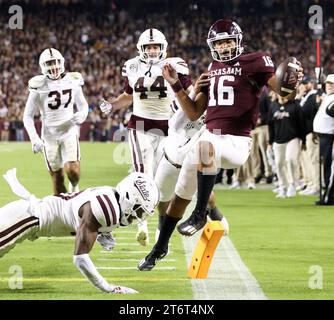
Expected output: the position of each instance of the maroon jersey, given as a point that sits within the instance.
(234, 92)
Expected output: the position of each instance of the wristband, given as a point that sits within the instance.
(177, 86)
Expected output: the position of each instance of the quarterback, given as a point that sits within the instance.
(153, 102)
(85, 214)
(229, 94)
(54, 94)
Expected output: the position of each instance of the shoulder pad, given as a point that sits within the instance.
(179, 65)
(37, 82)
(130, 66)
(76, 76)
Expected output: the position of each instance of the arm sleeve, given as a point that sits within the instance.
(87, 268)
(28, 116)
(127, 87)
(185, 81)
(82, 104)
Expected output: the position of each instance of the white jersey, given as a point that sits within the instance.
(182, 133)
(324, 123)
(152, 95)
(59, 215)
(54, 99)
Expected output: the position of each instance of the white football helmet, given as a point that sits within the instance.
(52, 63)
(139, 195)
(152, 36)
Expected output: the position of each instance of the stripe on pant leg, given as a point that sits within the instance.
(330, 184)
(18, 231)
(15, 226)
(132, 144)
(46, 159)
(139, 152)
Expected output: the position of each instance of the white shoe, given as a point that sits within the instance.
(251, 186)
(291, 191)
(235, 185)
(277, 189)
(72, 189)
(281, 193)
(106, 240)
(226, 226)
(309, 192)
(142, 234)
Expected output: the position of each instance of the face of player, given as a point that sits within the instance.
(329, 88)
(225, 47)
(53, 68)
(139, 212)
(152, 50)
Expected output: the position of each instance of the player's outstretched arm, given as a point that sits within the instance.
(85, 239)
(192, 108)
(121, 102)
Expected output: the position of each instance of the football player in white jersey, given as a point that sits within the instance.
(85, 214)
(54, 94)
(152, 98)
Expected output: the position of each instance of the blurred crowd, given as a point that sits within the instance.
(97, 37)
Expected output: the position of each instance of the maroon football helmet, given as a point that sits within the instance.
(225, 30)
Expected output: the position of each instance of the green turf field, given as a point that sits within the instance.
(279, 241)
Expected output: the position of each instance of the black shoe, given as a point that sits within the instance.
(229, 180)
(149, 262)
(258, 178)
(269, 179)
(323, 203)
(193, 224)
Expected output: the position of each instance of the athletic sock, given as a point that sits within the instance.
(215, 214)
(161, 219)
(205, 184)
(167, 228)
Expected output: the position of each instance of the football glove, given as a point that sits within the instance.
(106, 240)
(122, 290)
(37, 145)
(105, 106)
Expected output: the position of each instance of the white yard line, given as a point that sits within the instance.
(131, 252)
(228, 276)
(133, 268)
(129, 260)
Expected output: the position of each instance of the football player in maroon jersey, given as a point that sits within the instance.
(229, 92)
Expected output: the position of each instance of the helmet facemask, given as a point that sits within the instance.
(152, 58)
(53, 68)
(229, 53)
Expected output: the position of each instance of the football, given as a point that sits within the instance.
(287, 76)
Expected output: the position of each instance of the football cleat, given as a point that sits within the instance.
(149, 262)
(193, 224)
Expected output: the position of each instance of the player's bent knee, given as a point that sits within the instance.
(206, 154)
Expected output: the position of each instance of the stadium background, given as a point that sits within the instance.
(279, 241)
(97, 37)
